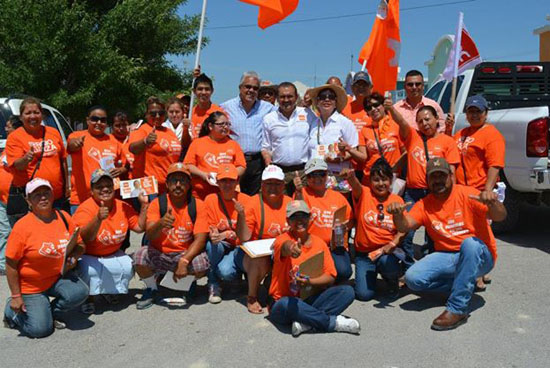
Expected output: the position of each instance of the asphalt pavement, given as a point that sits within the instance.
(509, 326)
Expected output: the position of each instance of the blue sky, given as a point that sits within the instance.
(312, 51)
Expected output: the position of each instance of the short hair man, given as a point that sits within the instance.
(455, 217)
(408, 107)
(362, 88)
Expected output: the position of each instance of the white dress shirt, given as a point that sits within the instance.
(288, 139)
(337, 126)
(178, 129)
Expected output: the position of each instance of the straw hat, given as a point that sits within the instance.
(341, 97)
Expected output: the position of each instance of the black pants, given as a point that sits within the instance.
(252, 178)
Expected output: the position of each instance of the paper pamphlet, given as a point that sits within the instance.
(398, 252)
(71, 245)
(132, 188)
(183, 284)
(327, 150)
(312, 267)
(258, 248)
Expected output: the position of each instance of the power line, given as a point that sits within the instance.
(344, 15)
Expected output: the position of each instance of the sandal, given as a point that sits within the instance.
(480, 285)
(88, 308)
(253, 305)
(487, 279)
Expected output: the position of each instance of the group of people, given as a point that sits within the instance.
(320, 175)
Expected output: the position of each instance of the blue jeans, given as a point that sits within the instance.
(366, 271)
(412, 195)
(225, 263)
(5, 230)
(342, 263)
(69, 292)
(318, 311)
(453, 273)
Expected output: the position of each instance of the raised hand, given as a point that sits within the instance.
(103, 211)
(298, 181)
(397, 208)
(143, 199)
(238, 207)
(168, 219)
(488, 198)
(151, 137)
(29, 156)
(296, 249)
(388, 102)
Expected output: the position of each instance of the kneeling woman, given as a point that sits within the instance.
(34, 261)
(376, 237)
(320, 311)
(104, 222)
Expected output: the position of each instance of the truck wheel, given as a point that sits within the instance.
(512, 202)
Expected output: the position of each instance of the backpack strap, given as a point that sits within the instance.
(60, 214)
(262, 217)
(163, 204)
(192, 209)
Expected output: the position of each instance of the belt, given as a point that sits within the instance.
(253, 156)
(291, 167)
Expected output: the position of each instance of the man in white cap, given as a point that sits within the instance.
(361, 87)
(285, 136)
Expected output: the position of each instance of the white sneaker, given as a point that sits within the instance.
(214, 294)
(349, 325)
(299, 328)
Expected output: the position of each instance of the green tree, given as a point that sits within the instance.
(73, 54)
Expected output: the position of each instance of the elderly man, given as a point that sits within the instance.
(455, 217)
(414, 88)
(361, 88)
(245, 114)
(286, 135)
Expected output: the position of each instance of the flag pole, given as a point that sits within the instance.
(458, 49)
(197, 55)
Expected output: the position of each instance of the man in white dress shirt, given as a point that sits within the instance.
(286, 135)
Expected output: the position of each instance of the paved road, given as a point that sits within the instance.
(508, 327)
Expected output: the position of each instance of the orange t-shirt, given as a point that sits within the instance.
(182, 234)
(207, 154)
(285, 268)
(322, 212)
(274, 218)
(388, 137)
(481, 149)
(356, 113)
(20, 142)
(439, 146)
(216, 217)
(5, 179)
(199, 116)
(87, 159)
(40, 249)
(158, 156)
(373, 233)
(113, 229)
(452, 221)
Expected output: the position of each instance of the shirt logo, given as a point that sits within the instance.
(463, 144)
(51, 250)
(49, 147)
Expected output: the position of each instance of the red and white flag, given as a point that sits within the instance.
(464, 46)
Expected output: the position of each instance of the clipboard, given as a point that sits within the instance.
(258, 248)
(339, 216)
(71, 245)
(312, 267)
(183, 284)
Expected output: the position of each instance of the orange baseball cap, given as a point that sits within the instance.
(227, 171)
(178, 167)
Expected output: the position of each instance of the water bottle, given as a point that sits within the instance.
(338, 235)
(500, 190)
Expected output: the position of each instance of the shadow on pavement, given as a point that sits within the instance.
(532, 231)
(428, 301)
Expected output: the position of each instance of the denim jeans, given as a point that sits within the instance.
(69, 292)
(366, 271)
(453, 273)
(225, 263)
(318, 311)
(412, 195)
(5, 230)
(342, 263)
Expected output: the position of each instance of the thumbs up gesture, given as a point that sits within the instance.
(238, 207)
(29, 156)
(388, 102)
(168, 219)
(103, 211)
(151, 137)
(296, 249)
(298, 181)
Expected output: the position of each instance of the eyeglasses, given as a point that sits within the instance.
(268, 93)
(372, 106)
(414, 84)
(380, 208)
(222, 124)
(326, 96)
(157, 113)
(249, 86)
(317, 174)
(95, 119)
(176, 179)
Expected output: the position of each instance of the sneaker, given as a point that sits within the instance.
(214, 294)
(299, 328)
(147, 299)
(8, 323)
(393, 288)
(59, 325)
(349, 325)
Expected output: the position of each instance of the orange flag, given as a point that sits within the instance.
(272, 11)
(381, 51)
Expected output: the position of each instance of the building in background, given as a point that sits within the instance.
(544, 41)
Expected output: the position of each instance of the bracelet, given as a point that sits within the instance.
(185, 260)
(16, 295)
(392, 244)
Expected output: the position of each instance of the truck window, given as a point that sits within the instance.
(446, 98)
(435, 91)
(64, 125)
(48, 119)
(5, 113)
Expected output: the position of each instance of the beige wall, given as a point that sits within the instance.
(544, 46)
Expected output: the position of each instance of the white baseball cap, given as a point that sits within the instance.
(35, 184)
(273, 172)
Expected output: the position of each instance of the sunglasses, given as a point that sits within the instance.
(249, 86)
(326, 96)
(414, 84)
(176, 179)
(268, 93)
(157, 113)
(372, 106)
(317, 174)
(225, 123)
(95, 119)
(380, 208)
(299, 216)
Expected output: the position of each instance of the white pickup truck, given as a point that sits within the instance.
(518, 94)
